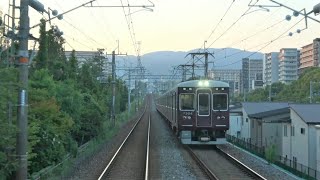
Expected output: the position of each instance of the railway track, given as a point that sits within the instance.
(218, 165)
(131, 160)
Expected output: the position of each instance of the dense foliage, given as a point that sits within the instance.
(67, 105)
(296, 92)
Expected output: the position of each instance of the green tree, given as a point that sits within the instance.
(41, 60)
(73, 65)
(8, 130)
(49, 127)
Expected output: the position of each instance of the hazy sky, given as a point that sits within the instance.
(178, 25)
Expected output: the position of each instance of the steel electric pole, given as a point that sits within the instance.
(113, 113)
(22, 171)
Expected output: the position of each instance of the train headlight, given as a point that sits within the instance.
(189, 117)
(218, 117)
(206, 83)
(203, 83)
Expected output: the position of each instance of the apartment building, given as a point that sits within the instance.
(310, 55)
(231, 76)
(288, 65)
(271, 68)
(251, 74)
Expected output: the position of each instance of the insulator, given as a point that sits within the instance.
(54, 12)
(288, 17)
(295, 13)
(38, 6)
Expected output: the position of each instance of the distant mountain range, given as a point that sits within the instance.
(161, 62)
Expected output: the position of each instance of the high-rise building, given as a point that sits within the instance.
(310, 55)
(288, 65)
(271, 68)
(231, 76)
(251, 74)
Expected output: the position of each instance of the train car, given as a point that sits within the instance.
(197, 111)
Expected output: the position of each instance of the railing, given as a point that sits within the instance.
(285, 163)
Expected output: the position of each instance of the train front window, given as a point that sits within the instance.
(203, 104)
(220, 102)
(186, 102)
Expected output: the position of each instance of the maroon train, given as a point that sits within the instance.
(197, 111)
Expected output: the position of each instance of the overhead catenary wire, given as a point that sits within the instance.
(253, 35)
(79, 30)
(129, 28)
(214, 29)
(267, 44)
(232, 25)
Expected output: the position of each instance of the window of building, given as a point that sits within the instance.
(292, 130)
(285, 130)
(303, 130)
(246, 119)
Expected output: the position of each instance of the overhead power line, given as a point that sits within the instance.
(245, 13)
(267, 44)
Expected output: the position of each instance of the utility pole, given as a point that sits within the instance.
(205, 54)
(113, 115)
(129, 93)
(113, 88)
(311, 93)
(22, 141)
(270, 93)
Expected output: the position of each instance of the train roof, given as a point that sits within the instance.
(195, 83)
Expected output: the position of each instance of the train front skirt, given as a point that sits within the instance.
(186, 138)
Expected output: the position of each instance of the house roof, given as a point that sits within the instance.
(271, 113)
(264, 109)
(309, 113)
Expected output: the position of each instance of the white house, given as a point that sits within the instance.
(261, 121)
(303, 146)
(318, 147)
(235, 122)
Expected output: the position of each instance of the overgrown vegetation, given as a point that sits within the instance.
(296, 92)
(67, 105)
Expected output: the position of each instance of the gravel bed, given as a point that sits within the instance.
(92, 166)
(168, 158)
(260, 166)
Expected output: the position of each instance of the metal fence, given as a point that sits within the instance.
(285, 163)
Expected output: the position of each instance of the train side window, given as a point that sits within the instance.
(220, 102)
(186, 101)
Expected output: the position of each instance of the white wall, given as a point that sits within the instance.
(235, 124)
(272, 135)
(245, 126)
(318, 146)
(286, 141)
(312, 143)
(300, 148)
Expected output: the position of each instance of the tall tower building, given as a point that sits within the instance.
(288, 65)
(271, 68)
(231, 76)
(310, 55)
(251, 74)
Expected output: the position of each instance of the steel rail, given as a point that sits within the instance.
(119, 149)
(241, 165)
(146, 177)
(201, 164)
